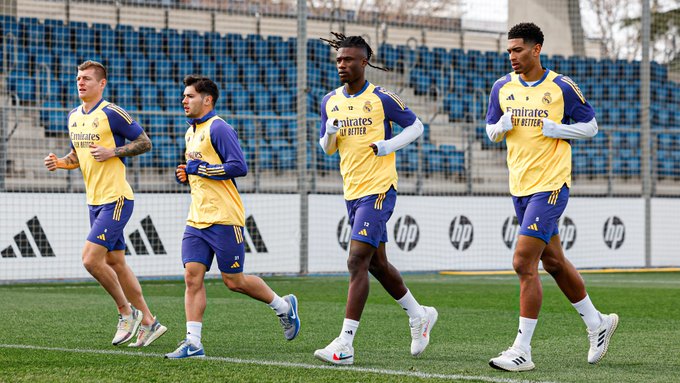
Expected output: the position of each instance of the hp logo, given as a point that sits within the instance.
(614, 232)
(461, 232)
(567, 232)
(344, 233)
(510, 232)
(406, 233)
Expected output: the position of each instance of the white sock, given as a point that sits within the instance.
(411, 306)
(524, 334)
(588, 313)
(194, 332)
(279, 305)
(349, 329)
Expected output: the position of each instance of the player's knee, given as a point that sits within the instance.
(91, 262)
(377, 268)
(552, 266)
(234, 283)
(193, 282)
(356, 264)
(523, 267)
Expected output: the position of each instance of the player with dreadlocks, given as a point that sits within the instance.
(356, 121)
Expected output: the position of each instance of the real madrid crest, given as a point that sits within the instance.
(202, 136)
(546, 98)
(367, 107)
(95, 123)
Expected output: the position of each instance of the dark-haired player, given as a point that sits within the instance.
(216, 217)
(356, 120)
(532, 109)
(98, 130)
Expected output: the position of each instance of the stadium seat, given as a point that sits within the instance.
(195, 44)
(173, 44)
(54, 120)
(217, 46)
(150, 96)
(152, 42)
(262, 101)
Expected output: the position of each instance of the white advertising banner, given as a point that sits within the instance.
(478, 233)
(42, 235)
(665, 232)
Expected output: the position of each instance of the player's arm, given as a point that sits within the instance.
(122, 125)
(69, 161)
(329, 130)
(397, 111)
(576, 108)
(496, 132)
(497, 122)
(225, 142)
(328, 140)
(408, 135)
(575, 131)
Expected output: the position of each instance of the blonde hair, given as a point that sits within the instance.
(99, 68)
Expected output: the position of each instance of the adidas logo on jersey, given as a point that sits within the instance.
(335, 109)
(235, 265)
(533, 227)
(102, 237)
(511, 97)
(363, 232)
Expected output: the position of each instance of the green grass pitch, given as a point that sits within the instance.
(62, 333)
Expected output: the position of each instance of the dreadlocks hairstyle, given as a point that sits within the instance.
(342, 41)
(530, 32)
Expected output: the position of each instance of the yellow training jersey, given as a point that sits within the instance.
(214, 159)
(537, 163)
(364, 118)
(106, 125)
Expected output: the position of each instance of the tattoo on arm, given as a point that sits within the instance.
(71, 160)
(141, 144)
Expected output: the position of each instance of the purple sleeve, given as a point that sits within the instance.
(225, 143)
(575, 105)
(395, 109)
(324, 115)
(122, 125)
(494, 112)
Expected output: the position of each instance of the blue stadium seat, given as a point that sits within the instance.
(125, 94)
(238, 47)
(285, 101)
(659, 72)
(442, 58)
(208, 69)
(388, 56)
(152, 42)
(54, 120)
(173, 44)
(22, 84)
(185, 68)
(433, 159)
(217, 46)
(240, 101)
(195, 44)
(168, 152)
(163, 71)
(252, 72)
(128, 40)
(31, 32)
(150, 96)
(140, 69)
(407, 159)
(630, 70)
(264, 155)
(58, 37)
(158, 124)
(262, 101)
(425, 57)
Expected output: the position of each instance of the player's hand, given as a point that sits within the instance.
(101, 153)
(506, 122)
(332, 126)
(51, 162)
(181, 173)
(379, 148)
(550, 128)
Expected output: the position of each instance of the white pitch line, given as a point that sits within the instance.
(378, 371)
